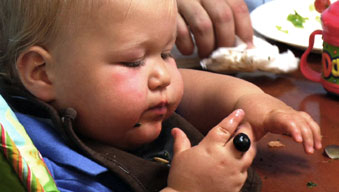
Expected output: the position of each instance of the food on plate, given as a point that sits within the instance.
(296, 19)
(262, 57)
(281, 29)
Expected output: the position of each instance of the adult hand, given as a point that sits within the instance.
(213, 23)
(214, 164)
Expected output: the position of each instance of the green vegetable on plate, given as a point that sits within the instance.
(281, 29)
(296, 19)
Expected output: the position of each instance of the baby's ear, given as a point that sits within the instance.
(32, 69)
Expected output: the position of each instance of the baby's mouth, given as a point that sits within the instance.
(160, 109)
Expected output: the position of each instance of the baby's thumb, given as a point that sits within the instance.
(181, 142)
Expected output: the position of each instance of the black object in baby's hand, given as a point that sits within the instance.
(242, 142)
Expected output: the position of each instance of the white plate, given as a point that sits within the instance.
(267, 17)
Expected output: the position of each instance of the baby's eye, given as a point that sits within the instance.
(133, 64)
(166, 55)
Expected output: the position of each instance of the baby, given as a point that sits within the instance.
(97, 90)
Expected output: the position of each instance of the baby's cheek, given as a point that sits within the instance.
(130, 89)
(178, 86)
(176, 92)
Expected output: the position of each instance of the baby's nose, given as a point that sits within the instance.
(160, 76)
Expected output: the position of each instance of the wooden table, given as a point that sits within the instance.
(289, 169)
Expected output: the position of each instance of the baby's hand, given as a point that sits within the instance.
(297, 124)
(214, 164)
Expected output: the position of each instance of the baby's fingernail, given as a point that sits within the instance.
(310, 149)
(239, 112)
(299, 138)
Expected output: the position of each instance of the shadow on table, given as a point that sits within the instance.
(277, 162)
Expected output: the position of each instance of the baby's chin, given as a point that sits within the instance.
(143, 134)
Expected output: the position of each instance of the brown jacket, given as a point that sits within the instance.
(142, 175)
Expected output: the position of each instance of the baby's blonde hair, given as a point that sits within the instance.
(24, 23)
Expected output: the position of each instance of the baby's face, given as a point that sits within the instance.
(117, 71)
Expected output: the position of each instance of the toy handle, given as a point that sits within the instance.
(304, 66)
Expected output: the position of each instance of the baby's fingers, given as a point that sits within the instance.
(315, 130)
(248, 154)
(308, 139)
(306, 130)
(181, 142)
(225, 129)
